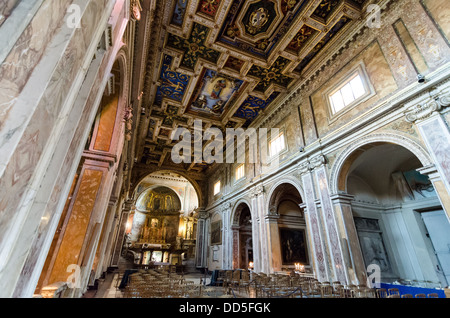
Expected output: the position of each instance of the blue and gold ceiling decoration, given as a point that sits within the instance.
(271, 75)
(252, 106)
(172, 84)
(226, 61)
(194, 47)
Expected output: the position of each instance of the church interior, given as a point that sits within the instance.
(225, 148)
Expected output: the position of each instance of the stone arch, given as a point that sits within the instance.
(235, 210)
(350, 153)
(193, 182)
(271, 200)
(108, 129)
(241, 233)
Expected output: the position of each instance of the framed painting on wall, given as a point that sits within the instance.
(216, 233)
(293, 246)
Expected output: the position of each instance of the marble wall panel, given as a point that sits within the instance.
(106, 124)
(436, 135)
(74, 234)
(380, 76)
(440, 13)
(429, 40)
(6, 8)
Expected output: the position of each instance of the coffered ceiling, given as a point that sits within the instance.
(226, 61)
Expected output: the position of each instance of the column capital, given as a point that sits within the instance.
(424, 108)
(202, 214)
(311, 164)
(257, 190)
(225, 207)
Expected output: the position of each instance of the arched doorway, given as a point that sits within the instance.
(242, 237)
(163, 222)
(288, 232)
(398, 217)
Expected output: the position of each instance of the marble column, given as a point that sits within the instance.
(425, 113)
(258, 201)
(256, 236)
(50, 106)
(274, 246)
(119, 241)
(104, 238)
(313, 224)
(333, 235)
(201, 260)
(226, 255)
(352, 254)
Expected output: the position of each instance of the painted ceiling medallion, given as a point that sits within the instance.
(259, 18)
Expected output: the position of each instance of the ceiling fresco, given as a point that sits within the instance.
(226, 61)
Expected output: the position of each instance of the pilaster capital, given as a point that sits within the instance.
(258, 190)
(311, 164)
(425, 108)
(225, 207)
(202, 214)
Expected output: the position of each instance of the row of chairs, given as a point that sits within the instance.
(395, 293)
(166, 284)
(299, 286)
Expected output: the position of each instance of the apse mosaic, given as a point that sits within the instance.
(227, 61)
(214, 92)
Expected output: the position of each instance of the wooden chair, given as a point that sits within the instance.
(228, 278)
(407, 296)
(326, 291)
(393, 291)
(236, 279)
(245, 281)
(220, 278)
(382, 293)
(420, 296)
(433, 295)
